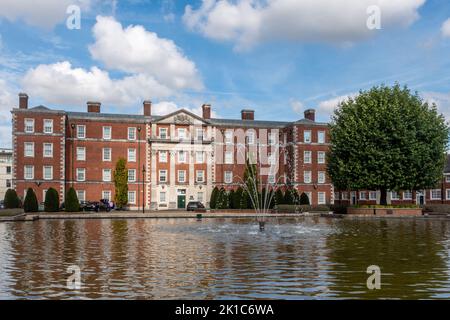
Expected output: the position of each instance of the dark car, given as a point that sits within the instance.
(195, 206)
(97, 206)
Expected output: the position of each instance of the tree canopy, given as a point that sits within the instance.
(387, 138)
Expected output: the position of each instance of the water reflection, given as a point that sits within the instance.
(225, 258)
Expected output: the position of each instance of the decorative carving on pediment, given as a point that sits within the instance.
(182, 119)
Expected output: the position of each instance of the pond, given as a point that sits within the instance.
(293, 258)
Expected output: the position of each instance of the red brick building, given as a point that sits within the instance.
(177, 157)
(171, 158)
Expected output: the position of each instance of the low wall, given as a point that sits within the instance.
(385, 211)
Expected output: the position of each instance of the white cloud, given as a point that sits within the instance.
(297, 106)
(442, 101)
(136, 50)
(445, 29)
(60, 83)
(7, 102)
(42, 13)
(328, 106)
(248, 22)
(155, 68)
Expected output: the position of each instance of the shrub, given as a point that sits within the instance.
(51, 203)
(304, 199)
(222, 199)
(237, 197)
(72, 204)
(121, 183)
(288, 198)
(30, 203)
(245, 199)
(339, 209)
(12, 201)
(230, 199)
(214, 195)
(279, 197)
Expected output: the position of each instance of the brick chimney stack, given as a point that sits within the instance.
(248, 114)
(310, 114)
(93, 107)
(147, 108)
(23, 101)
(206, 108)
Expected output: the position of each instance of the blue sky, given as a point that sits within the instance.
(278, 57)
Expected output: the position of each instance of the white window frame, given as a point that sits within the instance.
(271, 178)
(199, 157)
(25, 177)
(44, 145)
(131, 151)
(228, 177)
(321, 177)
(371, 193)
(307, 157)
(28, 153)
(396, 197)
(80, 171)
(228, 157)
(162, 199)
(447, 178)
(321, 157)
(198, 174)
(447, 194)
(106, 192)
(28, 122)
(435, 198)
(199, 134)
(161, 130)
(44, 171)
(271, 138)
(228, 138)
(131, 133)
(182, 156)
(133, 200)
(106, 175)
(181, 136)
(79, 158)
(50, 126)
(179, 172)
(307, 134)
(251, 134)
(409, 197)
(133, 171)
(321, 137)
(81, 136)
(363, 195)
(110, 154)
(307, 176)
(162, 155)
(162, 175)
(79, 193)
(106, 136)
(324, 197)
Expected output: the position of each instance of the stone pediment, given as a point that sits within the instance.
(182, 117)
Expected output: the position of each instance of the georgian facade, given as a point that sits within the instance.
(171, 159)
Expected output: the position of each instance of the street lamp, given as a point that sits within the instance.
(143, 188)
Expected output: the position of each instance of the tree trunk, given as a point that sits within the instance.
(383, 197)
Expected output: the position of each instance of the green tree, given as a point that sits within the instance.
(288, 197)
(387, 139)
(51, 203)
(11, 200)
(279, 197)
(214, 195)
(222, 199)
(237, 196)
(30, 203)
(304, 199)
(230, 199)
(121, 183)
(71, 203)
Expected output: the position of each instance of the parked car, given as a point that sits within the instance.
(97, 206)
(195, 206)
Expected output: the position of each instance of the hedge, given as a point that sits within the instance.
(30, 203)
(12, 201)
(51, 203)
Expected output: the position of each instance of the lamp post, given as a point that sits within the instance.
(139, 165)
(143, 188)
